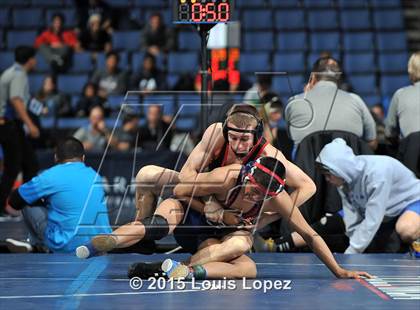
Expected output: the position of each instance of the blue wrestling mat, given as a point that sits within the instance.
(285, 281)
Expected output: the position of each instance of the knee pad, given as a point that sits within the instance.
(156, 227)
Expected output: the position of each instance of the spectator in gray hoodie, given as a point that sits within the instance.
(373, 189)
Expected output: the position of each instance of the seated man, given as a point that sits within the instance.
(111, 80)
(323, 106)
(373, 189)
(156, 134)
(64, 205)
(95, 135)
(254, 191)
(124, 138)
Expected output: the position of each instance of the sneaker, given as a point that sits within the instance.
(16, 246)
(145, 270)
(174, 269)
(415, 248)
(97, 246)
(86, 251)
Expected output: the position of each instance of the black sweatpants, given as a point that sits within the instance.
(19, 155)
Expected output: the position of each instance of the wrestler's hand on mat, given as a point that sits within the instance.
(352, 274)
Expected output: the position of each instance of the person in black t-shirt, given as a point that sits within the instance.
(95, 39)
(155, 133)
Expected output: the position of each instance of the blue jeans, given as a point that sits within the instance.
(36, 219)
(414, 206)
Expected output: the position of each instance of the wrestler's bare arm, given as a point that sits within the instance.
(215, 182)
(284, 206)
(202, 154)
(304, 187)
(266, 218)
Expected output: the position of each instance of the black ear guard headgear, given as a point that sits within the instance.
(247, 109)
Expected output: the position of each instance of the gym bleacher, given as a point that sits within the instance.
(367, 36)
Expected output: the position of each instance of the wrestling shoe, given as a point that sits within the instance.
(415, 248)
(145, 270)
(97, 246)
(174, 269)
(263, 245)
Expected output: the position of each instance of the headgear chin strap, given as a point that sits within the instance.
(249, 172)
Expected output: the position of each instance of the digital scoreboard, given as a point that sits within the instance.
(202, 11)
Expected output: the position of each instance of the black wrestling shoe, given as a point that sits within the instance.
(145, 270)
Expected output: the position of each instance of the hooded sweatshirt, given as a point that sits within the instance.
(375, 187)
